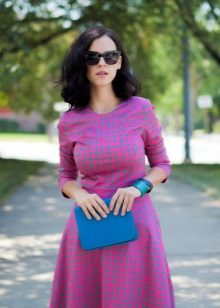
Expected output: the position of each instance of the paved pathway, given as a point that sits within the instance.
(204, 149)
(33, 218)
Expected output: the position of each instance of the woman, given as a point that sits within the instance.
(105, 135)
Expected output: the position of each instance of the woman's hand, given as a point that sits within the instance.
(125, 195)
(90, 203)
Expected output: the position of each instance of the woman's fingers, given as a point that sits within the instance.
(93, 212)
(118, 204)
(103, 205)
(86, 212)
(124, 197)
(127, 204)
(99, 209)
(112, 203)
(96, 207)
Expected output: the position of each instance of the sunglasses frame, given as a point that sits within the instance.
(87, 53)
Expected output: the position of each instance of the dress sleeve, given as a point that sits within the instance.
(67, 169)
(153, 140)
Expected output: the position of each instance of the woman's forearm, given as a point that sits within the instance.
(155, 175)
(72, 188)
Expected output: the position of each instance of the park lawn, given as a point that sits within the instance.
(14, 172)
(23, 136)
(206, 177)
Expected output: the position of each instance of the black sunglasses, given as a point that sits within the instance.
(110, 57)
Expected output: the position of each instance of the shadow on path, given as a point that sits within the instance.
(31, 223)
(191, 230)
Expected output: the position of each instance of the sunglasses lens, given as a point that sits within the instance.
(111, 57)
(93, 58)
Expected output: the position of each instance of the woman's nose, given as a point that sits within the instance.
(101, 61)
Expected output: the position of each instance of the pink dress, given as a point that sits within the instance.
(109, 152)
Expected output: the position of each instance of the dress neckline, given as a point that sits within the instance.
(106, 113)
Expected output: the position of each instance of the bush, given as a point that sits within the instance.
(41, 128)
(12, 126)
(7, 125)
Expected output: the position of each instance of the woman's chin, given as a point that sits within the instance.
(101, 83)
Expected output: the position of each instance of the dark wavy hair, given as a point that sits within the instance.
(75, 85)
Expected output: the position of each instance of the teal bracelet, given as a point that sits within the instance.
(142, 186)
(148, 183)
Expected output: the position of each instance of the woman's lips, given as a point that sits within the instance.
(102, 75)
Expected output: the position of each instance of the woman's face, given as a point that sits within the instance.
(101, 45)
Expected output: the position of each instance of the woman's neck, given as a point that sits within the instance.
(103, 99)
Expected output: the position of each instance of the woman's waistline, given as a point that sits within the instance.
(102, 192)
(100, 189)
(107, 192)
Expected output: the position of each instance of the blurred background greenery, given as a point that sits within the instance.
(36, 34)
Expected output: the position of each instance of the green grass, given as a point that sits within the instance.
(23, 136)
(14, 172)
(206, 177)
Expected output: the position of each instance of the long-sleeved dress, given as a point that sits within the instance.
(108, 150)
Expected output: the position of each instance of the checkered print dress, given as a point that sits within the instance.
(108, 150)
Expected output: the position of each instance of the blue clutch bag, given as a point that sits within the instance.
(115, 229)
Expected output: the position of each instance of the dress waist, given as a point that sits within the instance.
(102, 192)
(108, 193)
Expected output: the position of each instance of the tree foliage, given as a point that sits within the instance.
(35, 34)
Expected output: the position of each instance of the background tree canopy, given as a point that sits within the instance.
(35, 35)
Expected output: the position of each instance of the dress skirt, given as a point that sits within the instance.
(134, 274)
